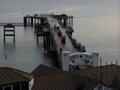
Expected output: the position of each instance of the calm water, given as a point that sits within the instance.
(96, 25)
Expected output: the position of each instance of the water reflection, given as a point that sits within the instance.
(25, 54)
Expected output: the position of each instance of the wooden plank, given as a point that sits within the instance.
(9, 35)
(9, 30)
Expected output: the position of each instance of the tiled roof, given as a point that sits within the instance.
(85, 82)
(10, 75)
(50, 78)
(104, 74)
(54, 82)
(43, 70)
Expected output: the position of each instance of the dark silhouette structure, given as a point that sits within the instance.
(9, 30)
(13, 79)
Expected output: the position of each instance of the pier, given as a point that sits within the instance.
(56, 31)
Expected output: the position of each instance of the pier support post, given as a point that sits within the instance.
(25, 21)
(9, 30)
(65, 22)
(28, 20)
(44, 41)
(48, 40)
(34, 22)
(39, 30)
(71, 21)
(31, 21)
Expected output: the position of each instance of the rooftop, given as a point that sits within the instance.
(105, 74)
(43, 70)
(10, 75)
(56, 79)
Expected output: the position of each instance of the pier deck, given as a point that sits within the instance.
(57, 39)
(68, 45)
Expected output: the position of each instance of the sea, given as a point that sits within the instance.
(96, 25)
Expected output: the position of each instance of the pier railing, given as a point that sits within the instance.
(15, 23)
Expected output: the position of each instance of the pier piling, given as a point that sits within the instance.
(9, 30)
(28, 20)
